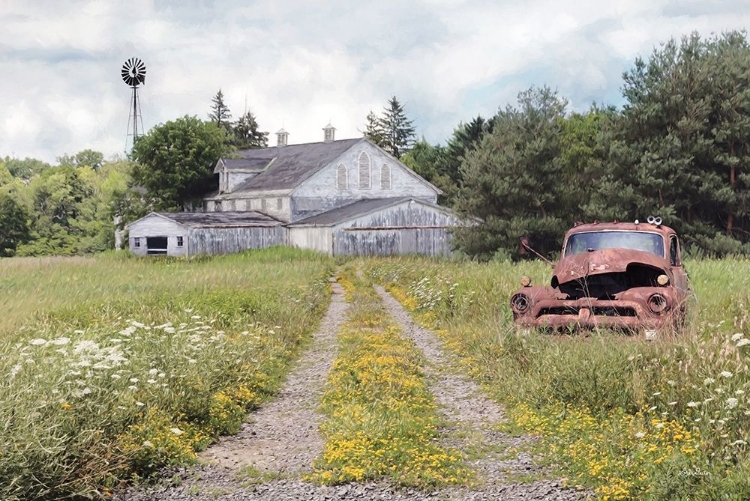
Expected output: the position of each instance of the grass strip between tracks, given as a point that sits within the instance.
(381, 420)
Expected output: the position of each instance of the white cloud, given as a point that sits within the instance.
(300, 64)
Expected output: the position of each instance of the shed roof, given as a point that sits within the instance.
(284, 167)
(217, 219)
(358, 209)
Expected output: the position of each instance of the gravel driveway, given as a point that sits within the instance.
(282, 439)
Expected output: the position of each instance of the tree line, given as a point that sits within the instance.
(679, 148)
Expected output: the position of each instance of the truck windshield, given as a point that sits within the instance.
(597, 240)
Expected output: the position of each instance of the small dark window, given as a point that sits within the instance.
(156, 245)
(136, 242)
(179, 241)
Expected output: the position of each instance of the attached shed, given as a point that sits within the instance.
(191, 233)
(387, 226)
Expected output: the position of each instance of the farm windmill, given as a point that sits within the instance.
(134, 74)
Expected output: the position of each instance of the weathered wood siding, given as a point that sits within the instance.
(229, 240)
(319, 193)
(318, 239)
(407, 228)
(406, 214)
(157, 226)
(386, 242)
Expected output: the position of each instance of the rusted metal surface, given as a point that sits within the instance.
(610, 287)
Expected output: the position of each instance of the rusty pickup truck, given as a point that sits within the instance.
(616, 275)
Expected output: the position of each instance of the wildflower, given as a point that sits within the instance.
(196, 317)
(148, 444)
(78, 332)
(693, 404)
(127, 331)
(708, 400)
(153, 372)
(60, 341)
(151, 381)
(738, 442)
(672, 403)
(739, 392)
(708, 381)
(640, 434)
(726, 374)
(737, 336)
(140, 404)
(719, 390)
(137, 324)
(133, 379)
(652, 408)
(161, 374)
(176, 431)
(38, 342)
(65, 406)
(133, 388)
(671, 383)
(115, 376)
(86, 390)
(731, 403)
(657, 393)
(188, 310)
(743, 342)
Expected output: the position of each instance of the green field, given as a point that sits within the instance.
(115, 366)
(630, 418)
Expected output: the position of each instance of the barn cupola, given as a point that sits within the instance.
(329, 133)
(282, 137)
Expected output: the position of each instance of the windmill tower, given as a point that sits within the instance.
(134, 74)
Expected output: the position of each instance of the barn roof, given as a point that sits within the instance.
(358, 209)
(217, 219)
(284, 167)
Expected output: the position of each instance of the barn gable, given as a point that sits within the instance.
(364, 171)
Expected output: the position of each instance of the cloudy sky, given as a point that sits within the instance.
(298, 64)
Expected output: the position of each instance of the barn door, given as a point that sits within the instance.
(156, 245)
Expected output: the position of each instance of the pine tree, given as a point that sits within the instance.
(246, 133)
(220, 111)
(374, 131)
(397, 129)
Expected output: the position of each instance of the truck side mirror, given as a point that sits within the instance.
(524, 244)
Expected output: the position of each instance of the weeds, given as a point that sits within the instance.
(137, 364)
(630, 419)
(381, 418)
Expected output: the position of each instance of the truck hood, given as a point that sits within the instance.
(602, 261)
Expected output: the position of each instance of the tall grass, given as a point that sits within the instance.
(604, 399)
(114, 367)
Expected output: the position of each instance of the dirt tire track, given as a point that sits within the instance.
(475, 418)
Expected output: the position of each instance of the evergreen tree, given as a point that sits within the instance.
(681, 148)
(220, 113)
(246, 133)
(374, 131)
(513, 179)
(397, 129)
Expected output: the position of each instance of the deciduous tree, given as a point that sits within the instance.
(175, 161)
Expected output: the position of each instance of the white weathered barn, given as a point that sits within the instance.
(346, 197)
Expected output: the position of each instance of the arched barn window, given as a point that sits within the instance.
(342, 181)
(364, 171)
(385, 177)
